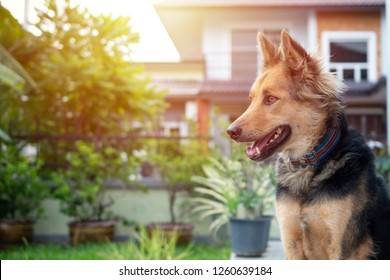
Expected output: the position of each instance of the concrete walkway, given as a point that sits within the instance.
(274, 252)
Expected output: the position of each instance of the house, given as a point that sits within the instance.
(217, 42)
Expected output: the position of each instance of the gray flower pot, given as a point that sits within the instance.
(249, 238)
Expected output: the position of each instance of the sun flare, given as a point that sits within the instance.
(155, 43)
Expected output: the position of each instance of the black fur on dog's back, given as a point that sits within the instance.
(373, 217)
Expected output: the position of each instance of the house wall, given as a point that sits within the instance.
(217, 28)
(176, 71)
(175, 111)
(135, 205)
(352, 21)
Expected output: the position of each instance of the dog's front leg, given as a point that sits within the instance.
(291, 232)
(292, 240)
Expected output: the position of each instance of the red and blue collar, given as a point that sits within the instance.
(319, 152)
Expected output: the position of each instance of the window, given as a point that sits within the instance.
(351, 55)
(246, 62)
(244, 54)
(370, 125)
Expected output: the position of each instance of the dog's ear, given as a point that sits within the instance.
(292, 51)
(300, 63)
(268, 49)
(306, 70)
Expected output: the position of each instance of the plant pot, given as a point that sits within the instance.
(183, 231)
(249, 238)
(15, 232)
(91, 231)
(147, 169)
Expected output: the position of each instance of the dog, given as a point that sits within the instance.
(329, 202)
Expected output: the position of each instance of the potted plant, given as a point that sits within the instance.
(83, 191)
(22, 192)
(238, 192)
(176, 163)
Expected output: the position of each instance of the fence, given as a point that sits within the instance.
(53, 148)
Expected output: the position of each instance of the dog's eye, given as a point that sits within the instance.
(269, 100)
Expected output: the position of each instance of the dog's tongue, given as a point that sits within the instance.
(250, 152)
(259, 147)
(256, 149)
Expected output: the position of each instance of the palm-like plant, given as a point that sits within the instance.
(13, 77)
(12, 74)
(233, 188)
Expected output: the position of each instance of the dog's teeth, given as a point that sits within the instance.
(257, 151)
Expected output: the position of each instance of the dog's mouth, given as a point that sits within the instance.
(269, 144)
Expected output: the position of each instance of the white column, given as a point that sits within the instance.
(26, 13)
(387, 55)
(384, 66)
(312, 31)
(191, 113)
(191, 110)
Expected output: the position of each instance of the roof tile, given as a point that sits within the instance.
(238, 90)
(271, 3)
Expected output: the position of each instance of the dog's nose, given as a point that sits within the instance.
(234, 132)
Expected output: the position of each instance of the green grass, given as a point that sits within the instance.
(108, 251)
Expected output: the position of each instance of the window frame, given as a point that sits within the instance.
(351, 36)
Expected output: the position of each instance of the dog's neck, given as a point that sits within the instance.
(318, 153)
(309, 146)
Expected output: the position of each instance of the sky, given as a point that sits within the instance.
(155, 44)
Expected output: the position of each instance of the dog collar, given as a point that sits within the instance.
(319, 152)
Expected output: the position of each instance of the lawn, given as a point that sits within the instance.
(108, 251)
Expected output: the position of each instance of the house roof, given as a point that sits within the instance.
(186, 20)
(362, 94)
(270, 3)
(181, 89)
(228, 87)
(366, 94)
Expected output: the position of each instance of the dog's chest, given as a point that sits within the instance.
(297, 180)
(316, 226)
(303, 217)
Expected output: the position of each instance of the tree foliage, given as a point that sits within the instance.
(87, 84)
(82, 187)
(22, 189)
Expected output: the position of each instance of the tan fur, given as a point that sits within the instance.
(321, 230)
(318, 231)
(308, 101)
(366, 249)
(294, 100)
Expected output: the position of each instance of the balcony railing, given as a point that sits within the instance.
(350, 71)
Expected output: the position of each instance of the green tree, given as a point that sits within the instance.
(81, 63)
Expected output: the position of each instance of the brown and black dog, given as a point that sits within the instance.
(329, 202)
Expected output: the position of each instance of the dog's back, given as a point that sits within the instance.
(380, 224)
(375, 218)
(380, 229)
